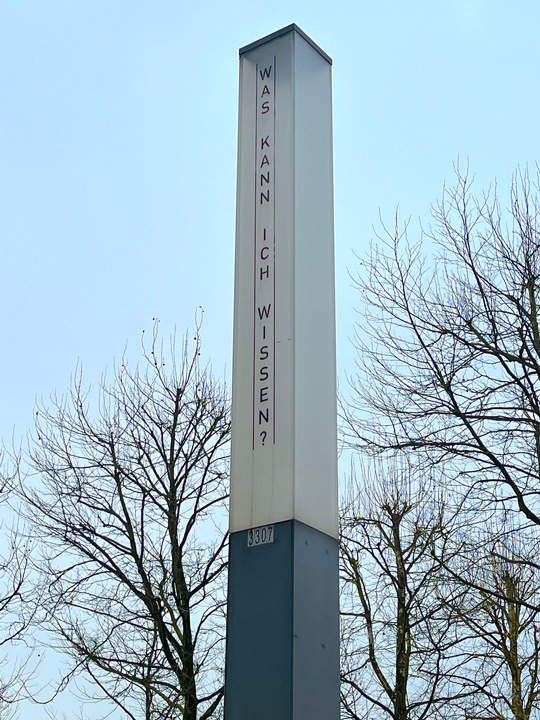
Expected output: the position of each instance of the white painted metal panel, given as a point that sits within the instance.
(284, 377)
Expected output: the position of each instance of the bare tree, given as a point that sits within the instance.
(403, 654)
(17, 661)
(490, 586)
(449, 351)
(129, 503)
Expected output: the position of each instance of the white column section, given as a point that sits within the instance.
(284, 460)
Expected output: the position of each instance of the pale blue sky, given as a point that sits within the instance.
(118, 157)
(118, 152)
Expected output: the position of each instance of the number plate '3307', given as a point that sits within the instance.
(260, 536)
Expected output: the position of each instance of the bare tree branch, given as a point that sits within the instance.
(130, 502)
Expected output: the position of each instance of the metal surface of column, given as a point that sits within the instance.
(283, 601)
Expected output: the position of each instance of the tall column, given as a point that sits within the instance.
(283, 615)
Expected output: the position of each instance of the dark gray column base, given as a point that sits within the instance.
(283, 626)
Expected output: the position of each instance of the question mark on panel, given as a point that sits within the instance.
(263, 436)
